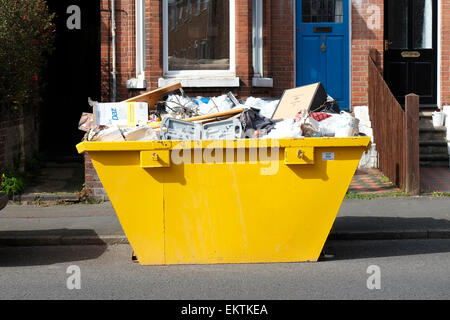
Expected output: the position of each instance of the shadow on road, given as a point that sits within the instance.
(373, 237)
(348, 250)
(357, 224)
(43, 247)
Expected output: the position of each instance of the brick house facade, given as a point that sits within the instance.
(278, 52)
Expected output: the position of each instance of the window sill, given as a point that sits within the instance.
(262, 82)
(203, 82)
(136, 83)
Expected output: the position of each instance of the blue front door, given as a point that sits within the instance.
(323, 46)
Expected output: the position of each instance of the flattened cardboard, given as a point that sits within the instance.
(298, 99)
(152, 97)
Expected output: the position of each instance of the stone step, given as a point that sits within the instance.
(433, 149)
(426, 118)
(434, 157)
(42, 197)
(432, 133)
(427, 113)
(432, 142)
(434, 163)
(426, 122)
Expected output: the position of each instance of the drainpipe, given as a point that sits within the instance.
(113, 45)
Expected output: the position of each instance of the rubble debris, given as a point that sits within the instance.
(164, 114)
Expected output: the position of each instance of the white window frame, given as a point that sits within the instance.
(258, 46)
(139, 82)
(140, 38)
(189, 74)
(257, 34)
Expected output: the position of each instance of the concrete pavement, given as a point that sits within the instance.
(380, 218)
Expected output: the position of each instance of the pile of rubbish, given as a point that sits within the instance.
(169, 114)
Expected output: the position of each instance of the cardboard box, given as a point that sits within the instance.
(298, 99)
(122, 114)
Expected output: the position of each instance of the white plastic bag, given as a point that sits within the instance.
(285, 129)
(345, 125)
(339, 125)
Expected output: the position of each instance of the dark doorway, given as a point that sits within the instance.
(410, 57)
(72, 75)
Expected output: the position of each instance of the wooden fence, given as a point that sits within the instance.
(396, 131)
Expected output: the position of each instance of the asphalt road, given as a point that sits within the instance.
(409, 269)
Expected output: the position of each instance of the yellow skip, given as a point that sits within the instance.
(242, 201)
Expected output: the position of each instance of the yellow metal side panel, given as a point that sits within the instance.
(299, 155)
(230, 213)
(155, 159)
(137, 197)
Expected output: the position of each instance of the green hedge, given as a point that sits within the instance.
(26, 39)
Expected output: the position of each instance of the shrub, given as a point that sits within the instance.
(26, 37)
(12, 184)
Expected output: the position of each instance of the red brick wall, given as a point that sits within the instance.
(367, 32)
(282, 45)
(445, 52)
(93, 186)
(279, 60)
(18, 139)
(278, 56)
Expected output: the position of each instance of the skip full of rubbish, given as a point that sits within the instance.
(168, 113)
